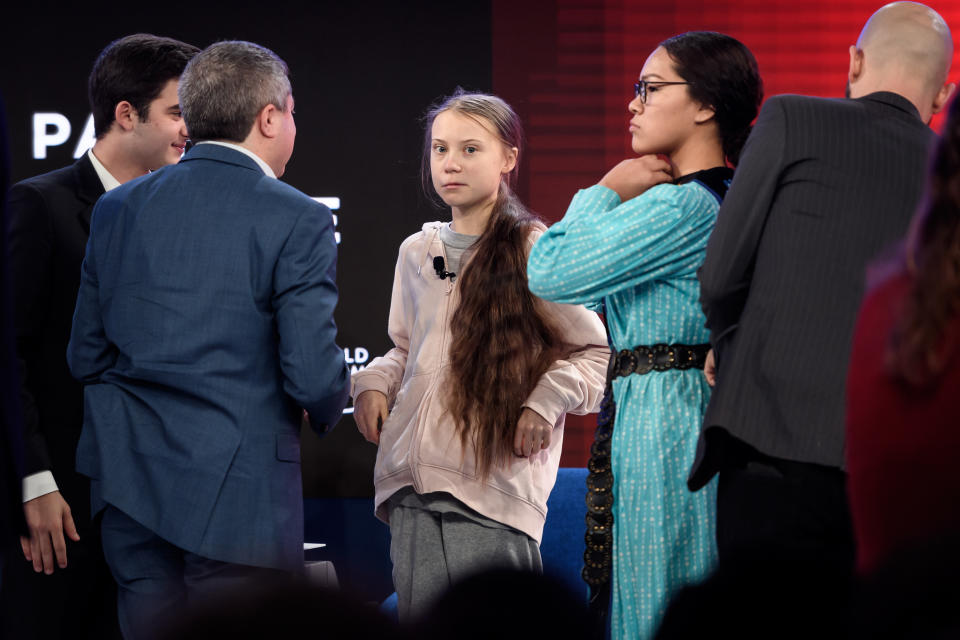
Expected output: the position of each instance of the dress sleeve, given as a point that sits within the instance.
(602, 245)
(384, 374)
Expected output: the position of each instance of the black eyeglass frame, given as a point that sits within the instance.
(640, 88)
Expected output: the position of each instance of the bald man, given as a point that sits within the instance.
(823, 186)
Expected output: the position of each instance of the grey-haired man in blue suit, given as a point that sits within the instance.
(204, 324)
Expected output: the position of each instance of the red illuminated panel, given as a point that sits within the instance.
(568, 67)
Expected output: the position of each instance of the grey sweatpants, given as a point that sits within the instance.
(432, 550)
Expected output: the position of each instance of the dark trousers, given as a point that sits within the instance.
(157, 581)
(780, 507)
(786, 555)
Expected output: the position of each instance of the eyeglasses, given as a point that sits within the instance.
(640, 88)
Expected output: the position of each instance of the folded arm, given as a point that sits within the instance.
(603, 245)
(573, 383)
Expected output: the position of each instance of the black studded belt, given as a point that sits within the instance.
(659, 357)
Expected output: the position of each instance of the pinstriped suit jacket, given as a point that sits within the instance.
(823, 186)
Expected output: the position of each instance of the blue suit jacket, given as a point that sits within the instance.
(203, 324)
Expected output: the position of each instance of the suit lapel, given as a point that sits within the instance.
(89, 188)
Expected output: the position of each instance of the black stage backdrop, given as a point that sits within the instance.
(363, 74)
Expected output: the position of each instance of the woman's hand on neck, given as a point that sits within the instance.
(472, 221)
(632, 177)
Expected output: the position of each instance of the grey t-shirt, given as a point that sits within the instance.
(455, 245)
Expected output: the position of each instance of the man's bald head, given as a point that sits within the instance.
(906, 48)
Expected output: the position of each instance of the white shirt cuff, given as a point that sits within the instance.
(38, 484)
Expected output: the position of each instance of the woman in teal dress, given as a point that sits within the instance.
(634, 242)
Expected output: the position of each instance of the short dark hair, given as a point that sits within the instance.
(135, 69)
(224, 88)
(723, 75)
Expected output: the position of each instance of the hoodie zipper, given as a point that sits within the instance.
(419, 427)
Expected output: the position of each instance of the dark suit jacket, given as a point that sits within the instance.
(49, 223)
(822, 187)
(204, 323)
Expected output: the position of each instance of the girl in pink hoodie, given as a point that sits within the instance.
(468, 407)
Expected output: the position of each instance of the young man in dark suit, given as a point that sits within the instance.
(204, 324)
(823, 186)
(138, 128)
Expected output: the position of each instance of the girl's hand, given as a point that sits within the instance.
(370, 412)
(533, 433)
(632, 177)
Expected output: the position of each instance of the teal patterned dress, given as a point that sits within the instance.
(640, 259)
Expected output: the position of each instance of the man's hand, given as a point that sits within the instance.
(370, 411)
(632, 177)
(710, 368)
(533, 433)
(48, 517)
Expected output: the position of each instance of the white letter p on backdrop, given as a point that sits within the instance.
(43, 137)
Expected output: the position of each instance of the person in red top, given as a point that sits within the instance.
(903, 432)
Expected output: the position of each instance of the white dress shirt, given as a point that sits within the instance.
(236, 147)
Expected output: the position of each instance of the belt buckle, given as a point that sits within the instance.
(626, 362)
(663, 357)
(686, 358)
(645, 360)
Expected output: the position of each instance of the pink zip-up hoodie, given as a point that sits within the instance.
(419, 446)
